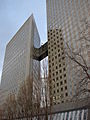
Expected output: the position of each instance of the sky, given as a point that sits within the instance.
(13, 13)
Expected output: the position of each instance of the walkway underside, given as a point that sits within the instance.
(40, 53)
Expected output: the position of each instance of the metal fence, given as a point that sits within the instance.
(79, 110)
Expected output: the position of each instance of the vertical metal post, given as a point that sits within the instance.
(88, 114)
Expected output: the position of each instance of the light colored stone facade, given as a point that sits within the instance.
(57, 66)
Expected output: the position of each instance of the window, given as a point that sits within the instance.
(60, 71)
(61, 43)
(52, 59)
(57, 90)
(65, 81)
(63, 63)
(62, 101)
(59, 50)
(61, 89)
(57, 84)
(56, 78)
(49, 71)
(61, 39)
(60, 77)
(64, 75)
(61, 95)
(56, 67)
(49, 60)
(60, 30)
(60, 65)
(61, 82)
(55, 56)
(58, 55)
(62, 53)
(60, 34)
(56, 32)
(66, 94)
(51, 45)
(56, 73)
(64, 69)
(52, 64)
(63, 58)
(65, 87)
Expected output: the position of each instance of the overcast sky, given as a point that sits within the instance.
(13, 13)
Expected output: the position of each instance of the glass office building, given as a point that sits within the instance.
(66, 19)
(19, 64)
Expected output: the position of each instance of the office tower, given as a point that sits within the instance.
(19, 64)
(65, 21)
(57, 66)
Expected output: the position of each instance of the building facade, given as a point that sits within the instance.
(65, 23)
(19, 64)
(66, 19)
